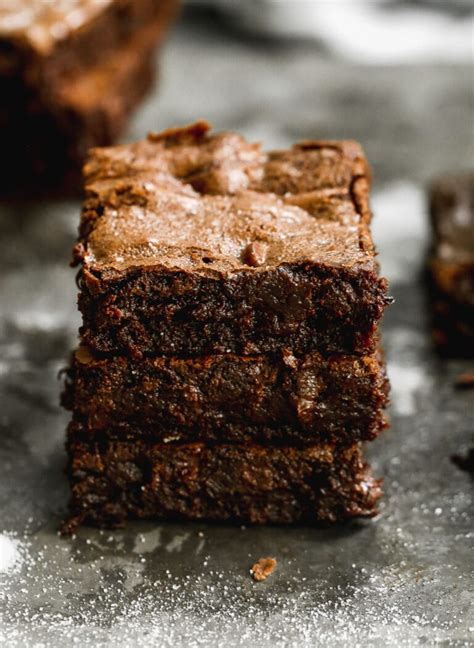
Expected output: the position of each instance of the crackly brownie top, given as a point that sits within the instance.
(42, 24)
(189, 200)
(452, 210)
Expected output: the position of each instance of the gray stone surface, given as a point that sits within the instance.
(404, 579)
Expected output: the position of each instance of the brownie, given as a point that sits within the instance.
(89, 109)
(229, 398)
(195, 244)
(72, 88)
(118, 480)
(452, 262)
(41, 43)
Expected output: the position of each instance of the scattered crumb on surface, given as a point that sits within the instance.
(262, 569)
(465, 380)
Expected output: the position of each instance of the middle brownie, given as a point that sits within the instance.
(229, 398)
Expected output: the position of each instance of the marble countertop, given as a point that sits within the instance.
(403, 579)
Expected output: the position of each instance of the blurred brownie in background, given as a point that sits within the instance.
(71, 72)
(451, 263)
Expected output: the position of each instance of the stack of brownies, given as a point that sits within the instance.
(229, 365)
(71, 71)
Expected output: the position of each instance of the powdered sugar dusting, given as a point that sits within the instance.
(10, 554)
(115, 588)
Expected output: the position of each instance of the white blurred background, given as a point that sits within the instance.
(370, 31)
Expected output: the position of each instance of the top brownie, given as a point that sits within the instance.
(193, 243)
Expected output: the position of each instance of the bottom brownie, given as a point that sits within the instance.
(238, 483)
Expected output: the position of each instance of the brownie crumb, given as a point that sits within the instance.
(465, 380)
(69, 526)
(262, 569)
